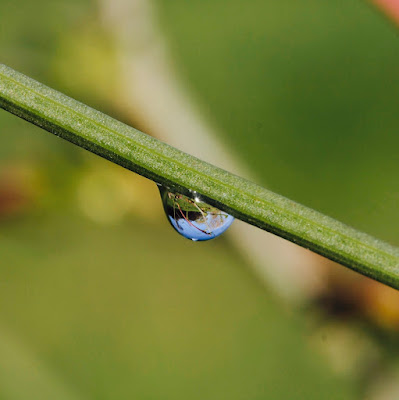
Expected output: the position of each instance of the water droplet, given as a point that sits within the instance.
(192, 217)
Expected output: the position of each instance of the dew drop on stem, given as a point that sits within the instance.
(192, 217)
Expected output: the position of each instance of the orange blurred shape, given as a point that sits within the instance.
(390, 8)
(381, 303)
(11, 201)
(16, 193)
(348, 294)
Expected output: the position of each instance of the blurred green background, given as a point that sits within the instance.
(101, 299)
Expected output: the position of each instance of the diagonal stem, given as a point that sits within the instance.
(134, 150)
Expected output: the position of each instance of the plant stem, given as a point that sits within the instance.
(134, 150)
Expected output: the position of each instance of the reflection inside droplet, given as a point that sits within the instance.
(193, 218)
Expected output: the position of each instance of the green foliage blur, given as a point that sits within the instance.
(306, 92)
(101, 299)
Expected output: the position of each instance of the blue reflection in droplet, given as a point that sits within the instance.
(193, 218)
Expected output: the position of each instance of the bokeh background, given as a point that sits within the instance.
(100, 298)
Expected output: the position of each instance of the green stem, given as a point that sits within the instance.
(166, 165)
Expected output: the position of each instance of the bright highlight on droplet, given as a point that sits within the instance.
(193, 218)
